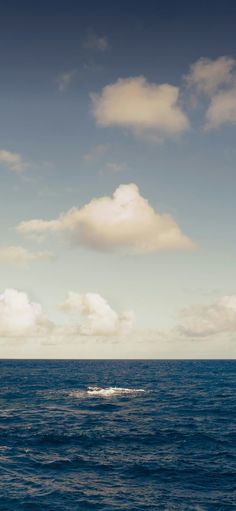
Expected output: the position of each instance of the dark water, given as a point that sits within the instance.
(171, 447)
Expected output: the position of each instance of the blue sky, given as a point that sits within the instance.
(65, 66)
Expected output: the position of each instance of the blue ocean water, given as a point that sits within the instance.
(117, 435)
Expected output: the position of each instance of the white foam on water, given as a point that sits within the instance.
(110, 391)
(105, 392)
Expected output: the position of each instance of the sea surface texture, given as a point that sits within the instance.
(117, 435)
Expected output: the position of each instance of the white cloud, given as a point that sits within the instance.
(206, 320)
(91, 316)
(98, 318)
(145, 108)
(65, 79)
(20, 255)
(216, 79)
(207, 75)
(20, 317)
(13, 161)
(124, 221)
(222, 109)
(25, 330)
(96, 42)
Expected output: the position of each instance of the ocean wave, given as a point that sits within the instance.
(105, 392)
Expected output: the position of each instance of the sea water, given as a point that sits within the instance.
(117, 435)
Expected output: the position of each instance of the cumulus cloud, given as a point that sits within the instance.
(64, 79)
(207, 75)
(13, 161)
(222, 109)
(91, 315)
(98, 318)
(26, 330)
(145, 108)
(20, 255)
(207, 320)
(96, 42)
(20, 317)
(217, 80)
(124, 221)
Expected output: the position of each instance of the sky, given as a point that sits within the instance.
(117, 179)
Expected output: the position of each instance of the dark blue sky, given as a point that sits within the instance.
(156, 39)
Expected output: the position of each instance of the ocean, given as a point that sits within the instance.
(117, 435)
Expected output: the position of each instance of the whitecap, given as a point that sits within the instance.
(105, 392)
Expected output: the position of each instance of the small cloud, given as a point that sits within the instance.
(207, 75)
(115, 167)
(215, 79)
(147, 109)
(125, 221)
(64, 79)
(96, 42)
(98, 318)
(13, 161)
(20, 255)
(95, 153)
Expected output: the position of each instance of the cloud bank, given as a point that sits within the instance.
(96, 329)
(125, 221)
(145, 108)
(207, 320)
(91, 316)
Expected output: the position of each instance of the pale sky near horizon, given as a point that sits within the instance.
(118, 179)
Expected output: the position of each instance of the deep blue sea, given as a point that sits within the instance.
(117, 435)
